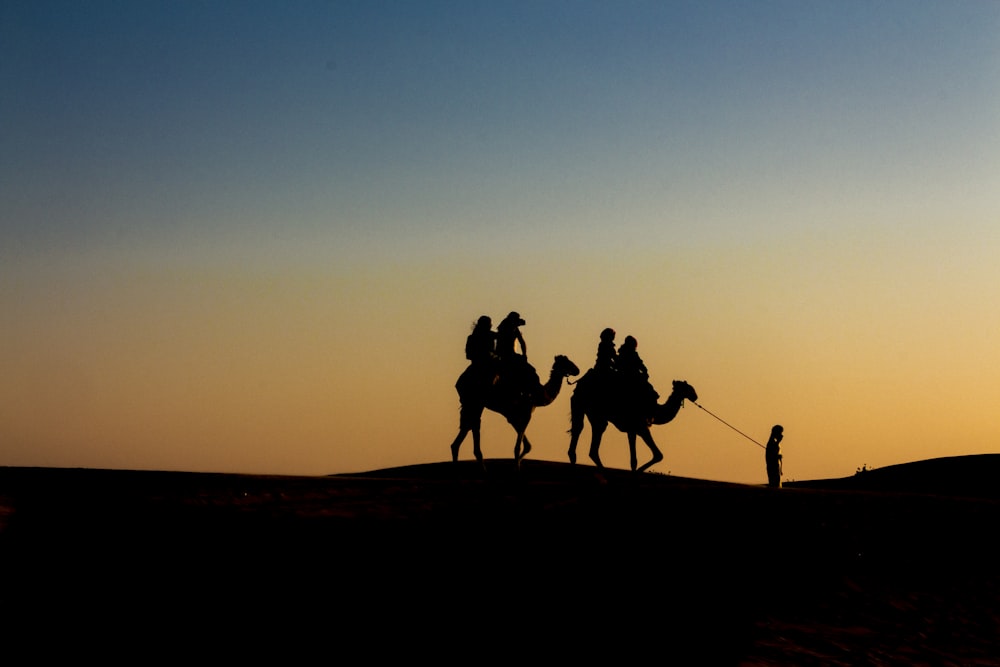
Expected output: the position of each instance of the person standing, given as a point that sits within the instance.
(772, 457)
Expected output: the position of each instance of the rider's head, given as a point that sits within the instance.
(514, 318)
(484, 322)
(608, 335)
(630, 342)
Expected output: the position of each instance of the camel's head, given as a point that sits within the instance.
(685, 390)
(563, 366)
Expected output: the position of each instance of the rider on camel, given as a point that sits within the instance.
(514, 367)
(479, 349)
(479, 346)
(633, 373)
(606, 355)
(507, 333)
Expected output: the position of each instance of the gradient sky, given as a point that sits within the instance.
(252, 236)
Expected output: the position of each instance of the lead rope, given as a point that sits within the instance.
(731, 426)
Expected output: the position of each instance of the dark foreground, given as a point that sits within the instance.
(552, 563)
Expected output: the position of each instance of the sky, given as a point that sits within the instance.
(252, 236)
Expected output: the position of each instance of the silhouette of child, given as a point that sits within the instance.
(606, 355)
(629, 361)
(772, 456)
(634, 374)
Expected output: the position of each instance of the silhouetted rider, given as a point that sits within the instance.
(479, 349)
(633, 374)
(507, 333)
(606, 356)
(479, 346)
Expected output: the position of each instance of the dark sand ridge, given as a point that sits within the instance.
(555, 562)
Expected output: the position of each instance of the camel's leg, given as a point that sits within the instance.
(517, 447)
(476, 449)
(647, 438)
(596, 431)
(633, 459)
(575, 428)
(470, 418)
(462, 432)
(527, 445)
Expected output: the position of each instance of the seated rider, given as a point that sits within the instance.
(482, 370)
(606, 355)
(507, 333)
(633, 373)
(629, 361)
(512, 365)
(480, 343)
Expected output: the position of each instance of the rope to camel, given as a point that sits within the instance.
(731, 426)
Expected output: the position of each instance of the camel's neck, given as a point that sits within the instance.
(550, 390)
(669, 408)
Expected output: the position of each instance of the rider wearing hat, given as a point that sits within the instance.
(507, 333)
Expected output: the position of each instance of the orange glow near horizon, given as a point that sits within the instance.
(262, 250)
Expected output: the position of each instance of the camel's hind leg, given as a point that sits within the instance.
(477, 450)
(520, 453)
(457, 443)
(469, 421)
(647, 438)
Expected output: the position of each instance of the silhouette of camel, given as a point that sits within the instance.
(602, 405)
(515, 396)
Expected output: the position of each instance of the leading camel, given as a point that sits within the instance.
(514, 394)
(601, 402)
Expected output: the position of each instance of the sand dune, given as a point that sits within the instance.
(442, 561)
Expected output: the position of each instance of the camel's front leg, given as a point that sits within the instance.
(574, 436)
(596, 431)
(633, 459)
(647, 438)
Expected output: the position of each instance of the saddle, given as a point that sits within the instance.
(516, 377)
(622, 393)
